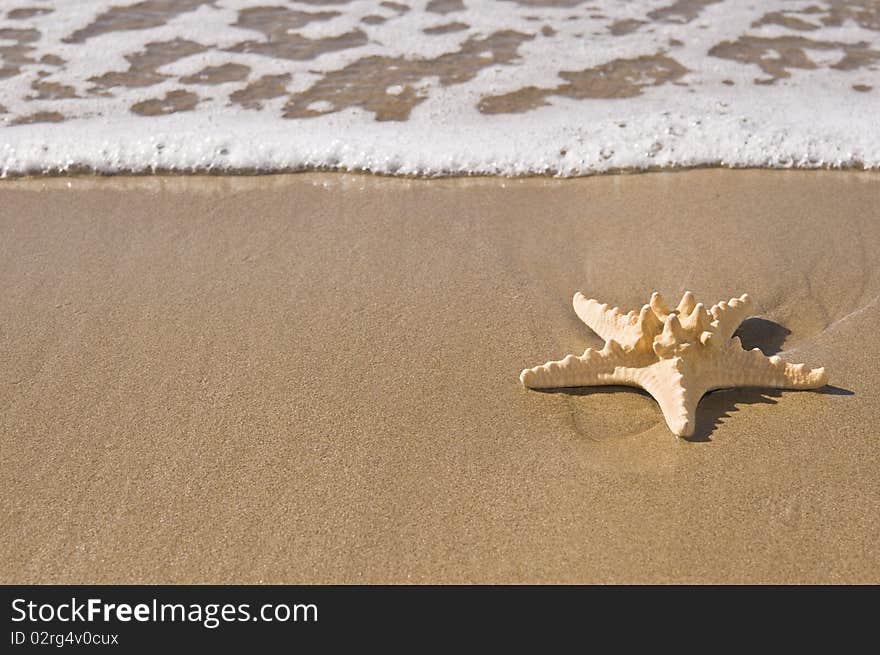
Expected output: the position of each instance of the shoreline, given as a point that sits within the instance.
(312, 378)
(77, 172)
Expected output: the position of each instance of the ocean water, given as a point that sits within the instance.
(437, 87)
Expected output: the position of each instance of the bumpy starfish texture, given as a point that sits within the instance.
(676, 355)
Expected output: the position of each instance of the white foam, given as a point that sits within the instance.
(812, 119)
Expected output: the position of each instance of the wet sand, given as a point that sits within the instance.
(313, 379)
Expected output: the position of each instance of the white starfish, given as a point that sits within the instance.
(676, 355)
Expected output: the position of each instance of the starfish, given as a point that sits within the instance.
(676, 355)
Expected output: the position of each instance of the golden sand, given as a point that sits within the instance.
(313, 378)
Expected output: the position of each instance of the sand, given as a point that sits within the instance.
(313, 379)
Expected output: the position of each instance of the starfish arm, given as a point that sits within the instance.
(677, 397)
(608, 323)
(751, 368)
(593, 368)
(728, 315)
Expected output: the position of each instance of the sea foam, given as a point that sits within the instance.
(561, 87)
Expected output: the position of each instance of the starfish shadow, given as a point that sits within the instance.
(592, 391)
(767, 336)
(830, 390)
(718, 405)
(715, 406)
